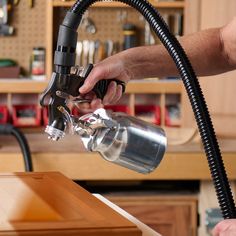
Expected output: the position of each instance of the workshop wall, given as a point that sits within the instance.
(30, 31)
(109, 23)
(30, 28)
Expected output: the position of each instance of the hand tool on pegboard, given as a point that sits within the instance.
(16, 2)
(31, 3)
(5, 29)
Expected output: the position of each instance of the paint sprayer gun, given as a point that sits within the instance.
(118, 137)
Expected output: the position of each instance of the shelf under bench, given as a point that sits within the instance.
(141, 86)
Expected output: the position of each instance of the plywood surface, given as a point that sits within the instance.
(49, 203)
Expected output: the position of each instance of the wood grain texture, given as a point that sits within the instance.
(192, 16)
(172, 215)
(192, 23)
(88, 166)
(137, 87)
(49, 203)
(70, 158)
(218, 90)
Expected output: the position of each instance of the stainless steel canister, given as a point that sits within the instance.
(123, 139)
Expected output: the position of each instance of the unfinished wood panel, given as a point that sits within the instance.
(192, 16)
(219, 90)
(216, 13)
(51, 204)
(30, 25)
(192, 22)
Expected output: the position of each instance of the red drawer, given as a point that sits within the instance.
(150, 113)
(26, 115)
(4, 115)
(118, 108)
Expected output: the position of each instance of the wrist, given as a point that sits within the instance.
(135, 60)
(228, 43)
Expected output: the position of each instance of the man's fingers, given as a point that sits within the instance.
(118, 94)
(225, 227)
(111, 91)
(99, 72)
(91, 80)
(96, 103)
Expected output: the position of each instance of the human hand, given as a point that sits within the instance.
(114, 67)
(225, 228)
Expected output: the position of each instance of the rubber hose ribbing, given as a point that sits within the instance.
(194, 92)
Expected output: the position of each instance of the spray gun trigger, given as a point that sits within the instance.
(72, 98)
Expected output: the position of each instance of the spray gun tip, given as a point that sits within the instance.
(54, 134)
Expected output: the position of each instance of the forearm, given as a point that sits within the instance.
(211, 52)
(205, 50)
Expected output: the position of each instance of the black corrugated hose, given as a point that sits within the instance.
(194, 92)
(8, 129)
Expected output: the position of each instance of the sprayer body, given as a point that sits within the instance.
(125, 140)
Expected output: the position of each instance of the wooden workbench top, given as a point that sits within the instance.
(39, 143)
(182, 162)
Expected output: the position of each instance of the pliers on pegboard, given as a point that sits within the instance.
(16, 2)
(31, 3)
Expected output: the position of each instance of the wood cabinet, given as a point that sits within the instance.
(168, 214)
(218, 90)
(51, 204)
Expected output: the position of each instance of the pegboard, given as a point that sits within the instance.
(30, 28)
(108, 24)
(30, 32)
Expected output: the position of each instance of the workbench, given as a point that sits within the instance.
(182, 162)
(68, 156)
